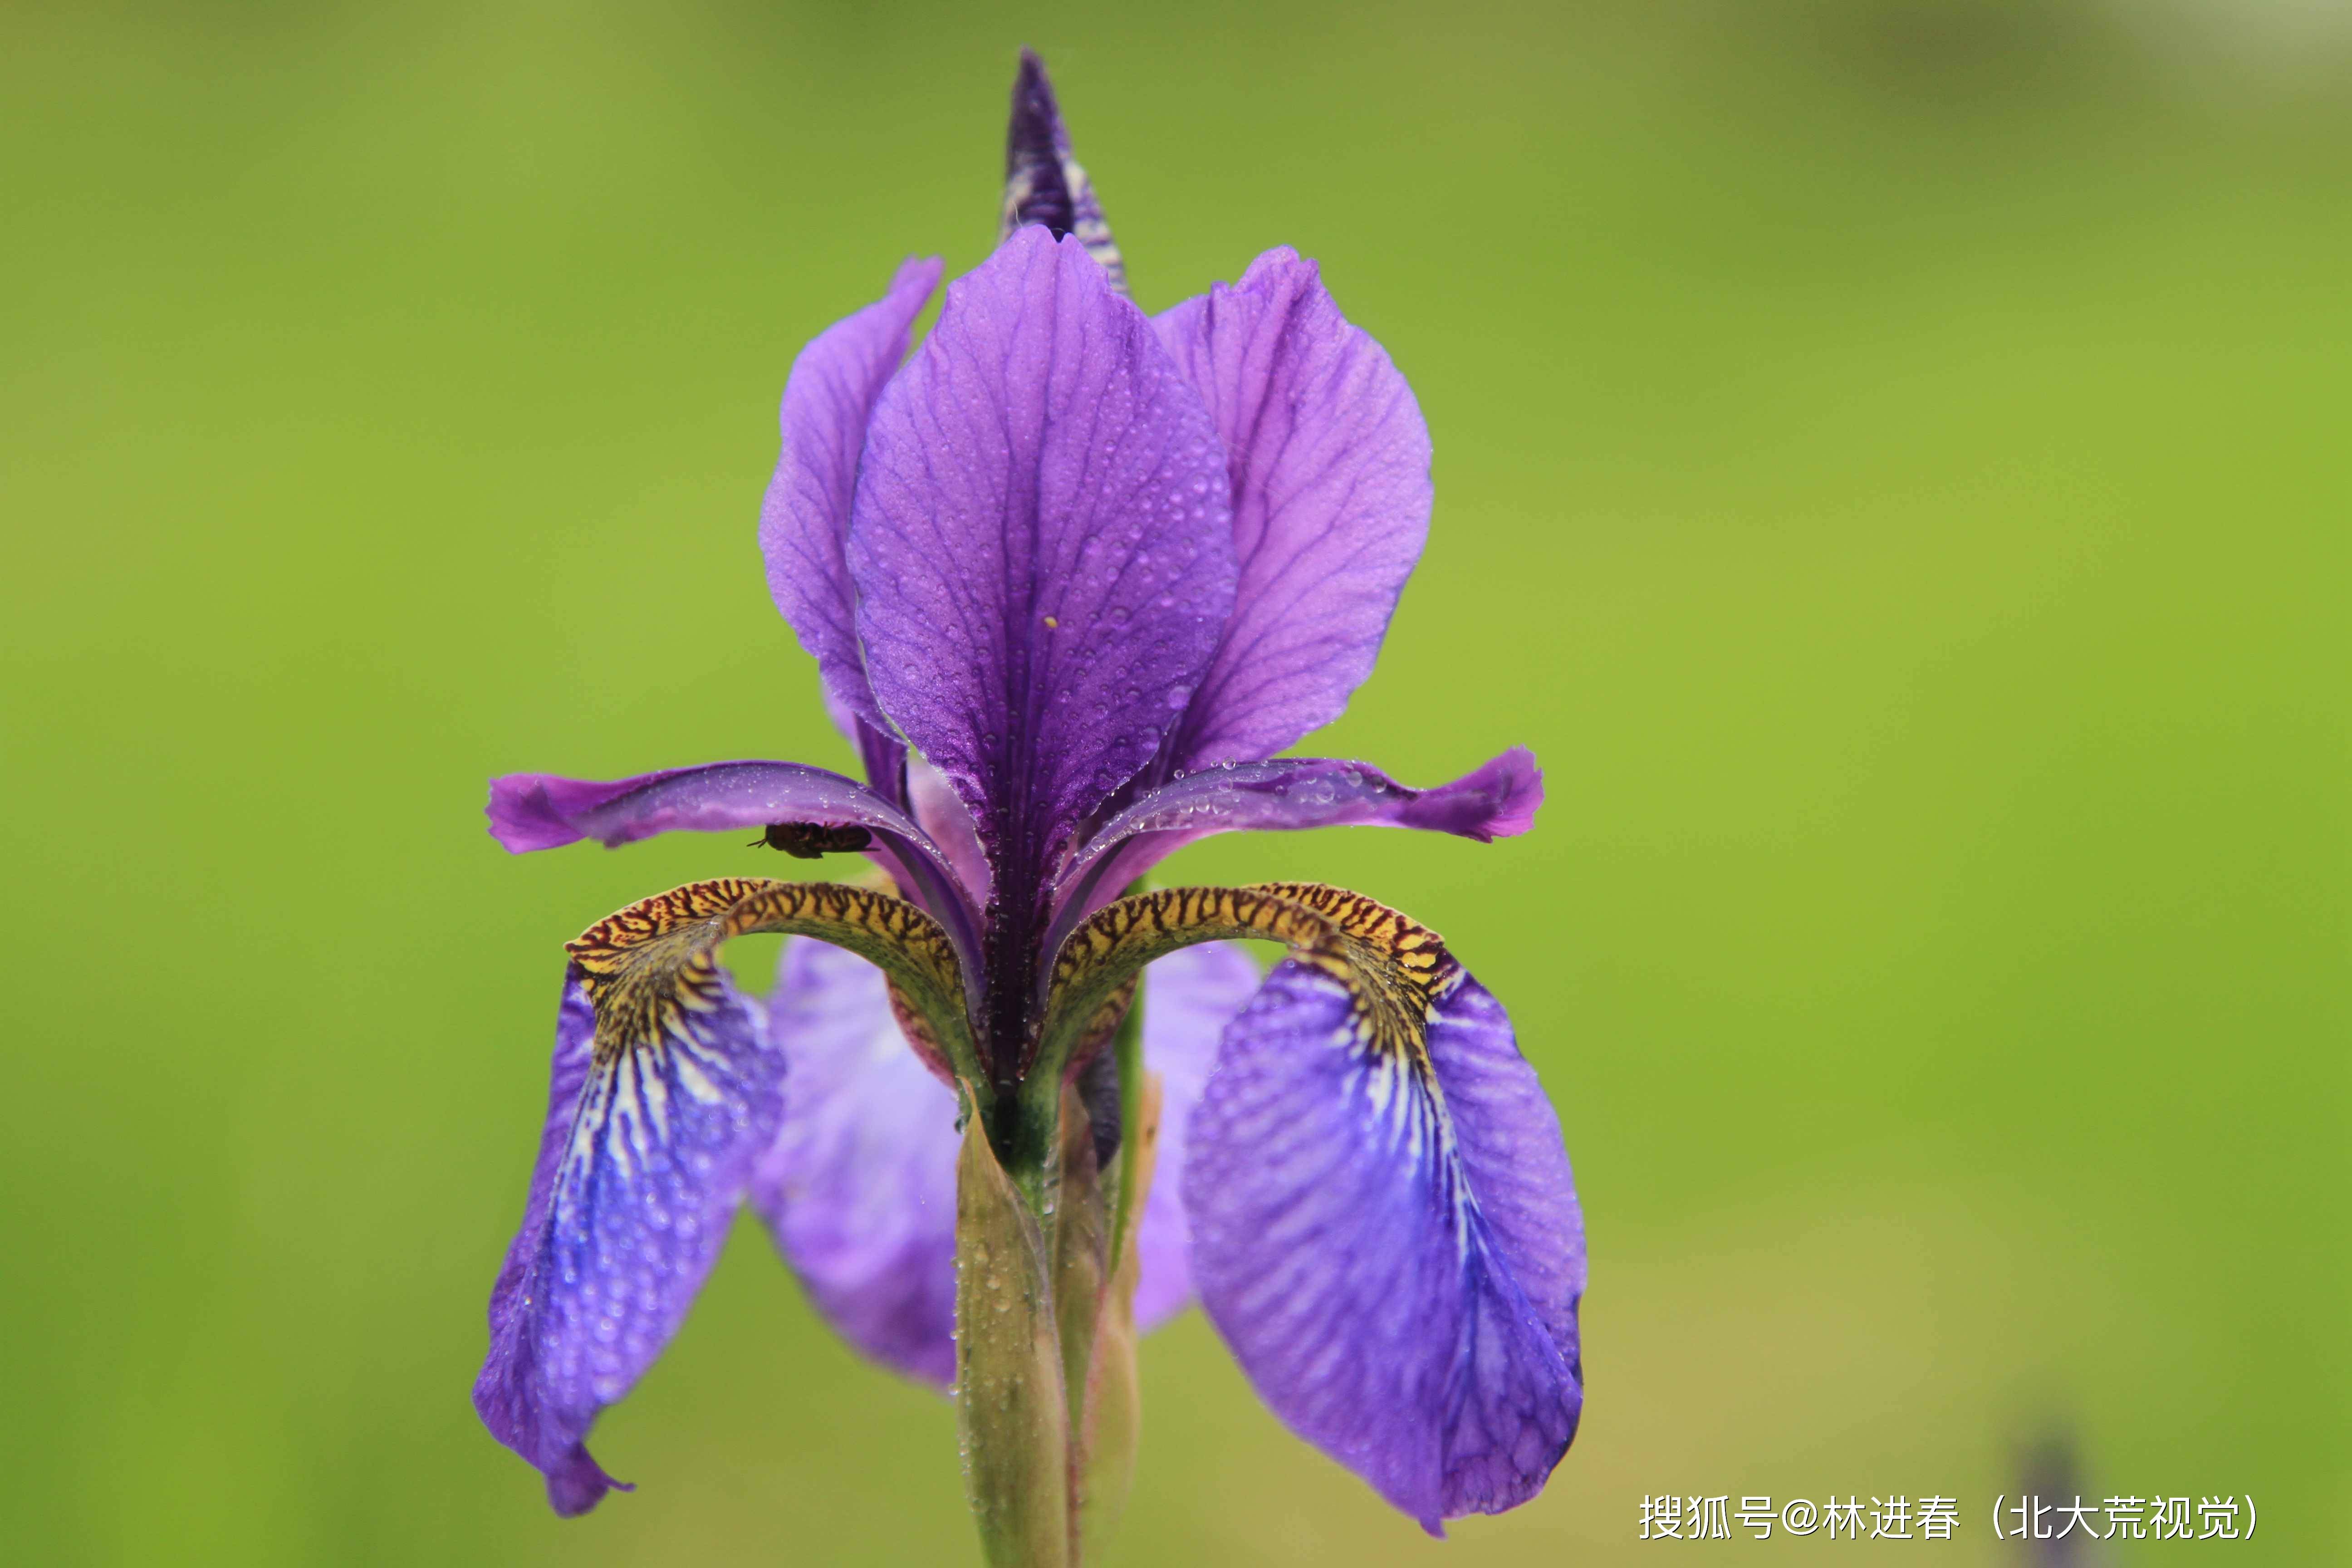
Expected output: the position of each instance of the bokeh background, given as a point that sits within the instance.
(1892, 465)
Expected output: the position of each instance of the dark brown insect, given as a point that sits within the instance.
(809, 840)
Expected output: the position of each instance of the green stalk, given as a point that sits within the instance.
(1111, 1421)
(1012, 1413)
(1127, 1045)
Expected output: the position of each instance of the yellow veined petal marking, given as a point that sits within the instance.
(1394, 968)
(645, 967)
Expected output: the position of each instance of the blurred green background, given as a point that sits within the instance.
(1892, 466)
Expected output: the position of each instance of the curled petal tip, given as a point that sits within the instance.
(919, 273)
(578, 1483)
(1496, 800)
(523, 817)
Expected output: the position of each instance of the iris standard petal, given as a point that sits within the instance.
(1330, 467)
(858, 1189)
(1042, 544)
(805, 517)
(884, 757)
(1496, 800)
(1393, 1245)
(1189, 997)
(542, 811)
(647, 1151)
(932, 801)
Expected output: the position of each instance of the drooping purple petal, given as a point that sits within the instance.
(1496, 800)
(859, 1188)
(641, 1166)
(542, 811)
(1511, 1149)
(1042, 544)
(1394, 1248)
(1043, 183)
(1330, 467)
(1189, 997)
(805, 517)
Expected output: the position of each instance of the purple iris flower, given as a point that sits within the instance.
(1071, 576)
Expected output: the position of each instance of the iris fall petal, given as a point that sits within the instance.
(1393, 1247)
(1189, 997)
(858, 1189)
(644, 1160)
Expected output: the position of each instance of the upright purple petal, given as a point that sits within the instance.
(859, 1188)
(935, 805)
(1330, 468)
(641, 1165)
(1496, 800)
(1042, 544)
(1393, 1245)
(1189, 997)
(882, 757)
(828, 398)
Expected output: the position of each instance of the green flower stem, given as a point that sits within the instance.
(1011, 1410)
(1045, 1290)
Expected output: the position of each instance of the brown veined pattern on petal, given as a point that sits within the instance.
(1394, 967)
(647, 965)
(1384, 1223)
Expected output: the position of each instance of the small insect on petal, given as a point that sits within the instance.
(811, 841)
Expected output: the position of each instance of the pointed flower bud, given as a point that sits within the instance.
(1043, 183)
